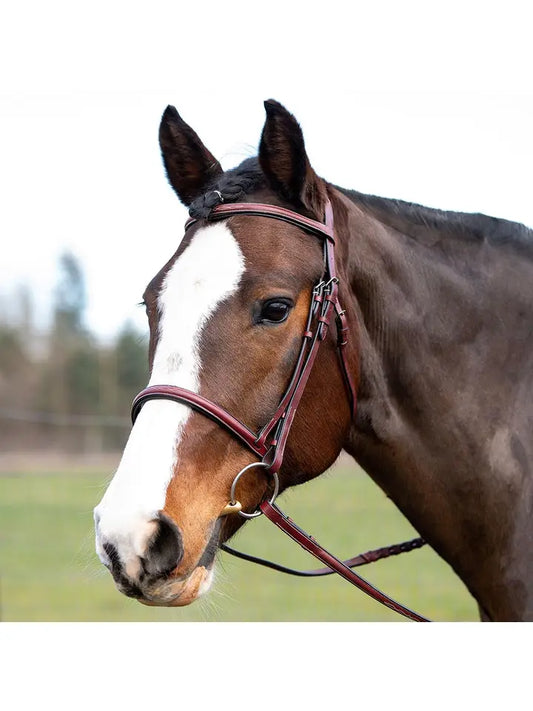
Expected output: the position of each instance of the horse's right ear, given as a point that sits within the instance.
(284, 161)
(190, 166)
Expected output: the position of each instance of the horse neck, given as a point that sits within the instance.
(445, 375)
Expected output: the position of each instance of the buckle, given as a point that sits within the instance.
(319, 288)
(328, 284)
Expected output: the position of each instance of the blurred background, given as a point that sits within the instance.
(431, 106)
(63, 390)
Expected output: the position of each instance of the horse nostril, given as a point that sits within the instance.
(165, 549)
(114, 558)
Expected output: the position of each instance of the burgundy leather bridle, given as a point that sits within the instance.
(269, 442)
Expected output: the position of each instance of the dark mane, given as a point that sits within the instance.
(413, 219)
(410, 218)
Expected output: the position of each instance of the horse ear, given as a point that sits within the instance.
(284, 161)
(190, 166)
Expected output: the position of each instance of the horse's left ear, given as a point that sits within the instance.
(284, 161)
(190, 166)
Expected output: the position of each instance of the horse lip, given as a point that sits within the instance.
(189, 589)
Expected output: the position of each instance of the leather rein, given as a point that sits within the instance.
(269, 443)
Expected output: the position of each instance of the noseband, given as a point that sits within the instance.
(269, 442)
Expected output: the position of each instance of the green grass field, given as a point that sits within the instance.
(49, 571)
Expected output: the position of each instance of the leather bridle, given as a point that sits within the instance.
(269, 442)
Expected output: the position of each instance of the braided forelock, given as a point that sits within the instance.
(232, 186)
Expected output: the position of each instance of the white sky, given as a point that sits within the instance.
(399, 100)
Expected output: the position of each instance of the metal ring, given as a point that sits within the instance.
(234, 486)
(220, 196)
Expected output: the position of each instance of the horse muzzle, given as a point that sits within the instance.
(145, 565)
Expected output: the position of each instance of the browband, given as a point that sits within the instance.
(219, 212)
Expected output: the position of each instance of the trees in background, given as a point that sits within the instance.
(63, 389)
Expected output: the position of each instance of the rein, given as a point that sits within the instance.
(269, 443)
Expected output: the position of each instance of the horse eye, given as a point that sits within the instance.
(274, 311)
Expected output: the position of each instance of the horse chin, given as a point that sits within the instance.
(178, 593)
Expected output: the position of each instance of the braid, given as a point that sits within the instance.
(230, 187)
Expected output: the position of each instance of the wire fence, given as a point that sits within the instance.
(34, 431)
(61, 420)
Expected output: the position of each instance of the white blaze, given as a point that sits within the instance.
(207, 272)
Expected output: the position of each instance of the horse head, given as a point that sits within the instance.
(227, 315)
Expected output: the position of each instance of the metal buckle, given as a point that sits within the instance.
(333, 280)
(319, 288)
(234, 506)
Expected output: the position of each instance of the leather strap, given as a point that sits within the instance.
(258, 209)
(355, 562)
(308, 543)
(205, 407)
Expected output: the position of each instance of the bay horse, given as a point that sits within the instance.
(436, 334)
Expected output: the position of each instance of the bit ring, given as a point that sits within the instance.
(234, 486)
